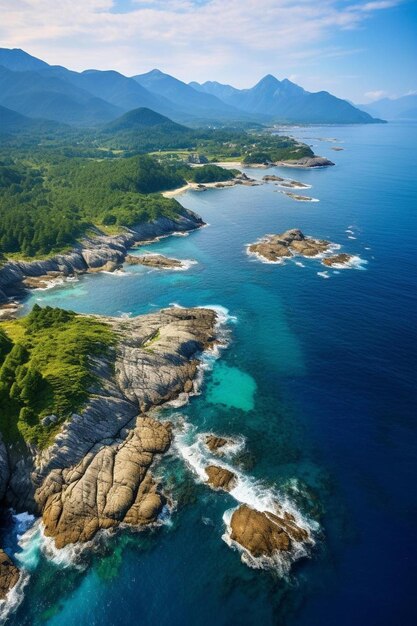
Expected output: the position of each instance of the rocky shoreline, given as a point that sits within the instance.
(96, 253)
(97, 473)
(240, 179)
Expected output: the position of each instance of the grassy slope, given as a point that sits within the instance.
(45, 369)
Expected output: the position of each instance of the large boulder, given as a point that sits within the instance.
(220, 478)
(262, 533)
(109, 486)
(9, 574)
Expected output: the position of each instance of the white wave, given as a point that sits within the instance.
(34, 542)
(354, 263)
(351, 237)
(119, 272)
(299, 263)
(234, 445)
(185, 265)
(323, 274)
(249, 491)
(209, 356)
(51, 284)
(331, 248)
(126, 315)
(14, 597)
(294, 185)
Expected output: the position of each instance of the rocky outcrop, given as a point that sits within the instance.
(9, 574)
(307, 162)
(337, 259)
(215, 443)
(262, 533)
(290, 243)
(220, 477)
(110, 485)
(285, 182)
(96, 253)
(96, 474)
(270, 178)
(297, 197)
(154, 260)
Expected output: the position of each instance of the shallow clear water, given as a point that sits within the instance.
(319, 377)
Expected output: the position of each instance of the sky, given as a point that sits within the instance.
(358, 50)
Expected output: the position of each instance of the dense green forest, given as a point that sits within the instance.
(44, 207)
(44, 370)
(57, 183)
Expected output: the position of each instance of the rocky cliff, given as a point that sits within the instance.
(94, 253)
(96, 474)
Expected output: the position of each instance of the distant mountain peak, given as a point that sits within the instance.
(268, 80)
(18, 60)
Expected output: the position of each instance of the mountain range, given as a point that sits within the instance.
(35, 89)
(404, 108)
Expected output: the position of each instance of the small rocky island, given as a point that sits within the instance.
(220, 478)
(274, 248)
(155, 260)
(292, 243)
(298, 197)
(307, 162)
(285, 182)
(263, 533)
(338, 260)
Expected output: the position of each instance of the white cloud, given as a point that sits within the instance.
(371, 96)
(229, 39)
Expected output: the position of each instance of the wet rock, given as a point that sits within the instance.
(290, 243)
(269, 178)
(220, 477)
(337, 259)
(9, 574)
(263, 533)
(214, 443)
(154, 260)
(95, 253)
(110, 485)
(307, 162)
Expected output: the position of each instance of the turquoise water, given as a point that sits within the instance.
(319, 379)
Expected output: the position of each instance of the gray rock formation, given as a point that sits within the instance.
(92, 254)
(290, 243)
(74, 483)
(154, 260)
(9, 575)
(106, 487)
(308, 162)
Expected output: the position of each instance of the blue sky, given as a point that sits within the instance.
(357, 50)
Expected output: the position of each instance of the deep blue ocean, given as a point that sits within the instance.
(319, 377)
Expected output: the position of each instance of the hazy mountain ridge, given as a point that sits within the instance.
(287, 102)
(33, 88)
(403, 108)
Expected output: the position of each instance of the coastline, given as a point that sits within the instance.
(220, 184)
(93, 254)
